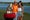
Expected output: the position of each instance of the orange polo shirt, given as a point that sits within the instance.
(15, 8)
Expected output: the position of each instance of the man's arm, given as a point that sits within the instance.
(12, 7)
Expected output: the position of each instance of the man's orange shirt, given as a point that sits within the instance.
(15, 8)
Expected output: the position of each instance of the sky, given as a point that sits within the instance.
(13, 0)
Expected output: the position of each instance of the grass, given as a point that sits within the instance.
(26, 15)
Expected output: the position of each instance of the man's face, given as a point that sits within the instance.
(15, 2)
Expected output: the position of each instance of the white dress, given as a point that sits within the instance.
(19, 9)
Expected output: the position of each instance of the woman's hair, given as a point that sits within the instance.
(18, 5)
(21, 3)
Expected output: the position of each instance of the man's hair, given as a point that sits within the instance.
(15, 2)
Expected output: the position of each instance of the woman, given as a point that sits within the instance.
(20, 11)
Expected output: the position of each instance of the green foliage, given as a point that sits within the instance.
(2, 11)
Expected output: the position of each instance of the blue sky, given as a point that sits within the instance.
(13, 0)
(25, 0)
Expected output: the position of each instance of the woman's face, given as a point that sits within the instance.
(19, 3)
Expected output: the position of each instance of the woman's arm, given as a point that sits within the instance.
(22, 11)
(22, 8)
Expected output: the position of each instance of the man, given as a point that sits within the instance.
(8, 11)
(20, 10)
(15, 9)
